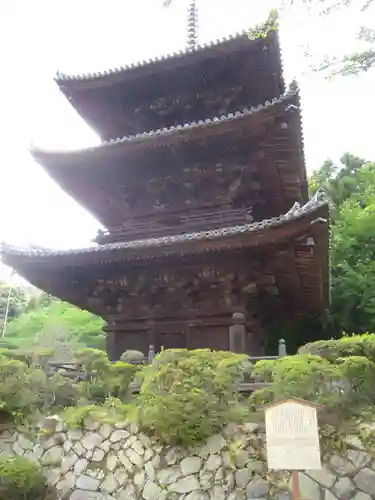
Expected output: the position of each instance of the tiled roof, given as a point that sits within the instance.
(291, 93)
(296, 212)
(62, 78)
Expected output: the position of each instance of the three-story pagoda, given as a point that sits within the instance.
(201, 185)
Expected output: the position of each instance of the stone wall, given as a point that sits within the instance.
(106, 462)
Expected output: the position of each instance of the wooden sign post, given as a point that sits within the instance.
(292, 436)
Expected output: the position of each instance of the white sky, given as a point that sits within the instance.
(39, 37)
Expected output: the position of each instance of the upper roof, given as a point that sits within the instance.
(127, 100)
(172, 61)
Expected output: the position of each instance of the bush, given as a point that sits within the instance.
(32, 357)
(261, 397)
(25, 390)
(7, 344)
(187, 396)
(111, 411)
(132, 357)
(105, 378)
(345, 385)
(358, 374)
(302, 376)
(21, 479)
(356, 345)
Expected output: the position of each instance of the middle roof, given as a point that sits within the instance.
(266, 140)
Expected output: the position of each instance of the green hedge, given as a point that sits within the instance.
(344, 384)
(187, 396)
(21, 479)
(355, 345)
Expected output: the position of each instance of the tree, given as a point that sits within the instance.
(352, 63)
(342, 181)
(18, 300)
(351, 189)
(56, 323)
(353, 258)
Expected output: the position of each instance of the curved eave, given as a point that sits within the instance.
(54, 160)
(291, 225)
(71, 84)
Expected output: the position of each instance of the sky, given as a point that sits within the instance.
(40, 37)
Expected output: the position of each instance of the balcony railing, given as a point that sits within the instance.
(171, 224)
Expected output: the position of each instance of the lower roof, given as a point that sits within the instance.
(56, 271)
(289, 225)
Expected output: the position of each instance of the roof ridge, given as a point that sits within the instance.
(292, 91)
(296, 212)
(66, 77)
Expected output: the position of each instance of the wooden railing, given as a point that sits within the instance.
(169, 224)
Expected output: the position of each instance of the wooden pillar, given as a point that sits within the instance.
(237, 333)
(113, 352)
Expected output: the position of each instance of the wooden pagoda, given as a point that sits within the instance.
(201, 185)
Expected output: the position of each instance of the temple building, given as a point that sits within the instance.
(201, 185)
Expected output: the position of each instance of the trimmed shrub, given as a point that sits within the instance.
(21, 479)
(358, 374)
(132, 357)
(105, 378)
(187, 396)
(111, 411)
(355, 345)
(25, 390)
(302, 376)
(345, 385)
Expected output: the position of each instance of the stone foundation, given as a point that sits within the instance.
(106, 462)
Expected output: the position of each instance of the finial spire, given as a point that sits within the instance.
(192, 25)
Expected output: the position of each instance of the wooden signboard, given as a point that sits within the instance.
(292, 436)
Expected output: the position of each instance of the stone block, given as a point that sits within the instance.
(190, 465)
(213, 462)
(309, 488)
(134, 458)
(185, 485)
(80, 466)
(365, 481)
(257, 488)
(151, 491)
(359, 458)
(119, 435)
(217, 493)
(323, 476)
(344, 487)
(105, 431)
(215, 443)
(139, 480)
(85, 482)
(150, 471)
(109, 485)
(91, 440)
(168, 475)
(86, 495)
